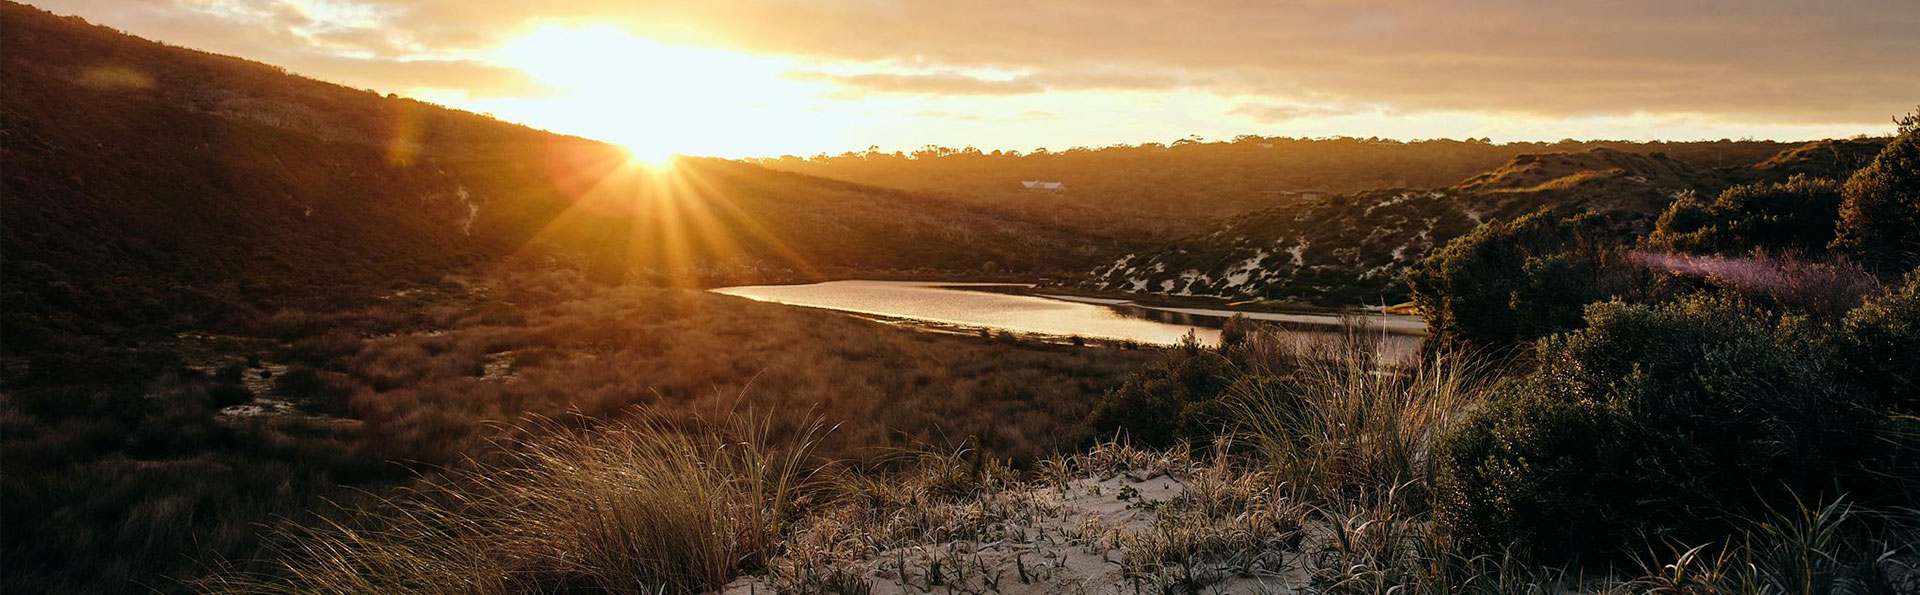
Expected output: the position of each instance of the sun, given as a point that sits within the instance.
(657, 100)
(649, 153)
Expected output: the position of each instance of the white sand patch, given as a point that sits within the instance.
(1402, 197)
(498, 367)
(1074, 536)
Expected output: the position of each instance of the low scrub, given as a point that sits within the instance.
(1661, 423)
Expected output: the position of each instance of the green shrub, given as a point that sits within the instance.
(1511, 282)
(1880, 219)
(1795, 216)
(1879, 345)
(1655, 422)
(1171, 400)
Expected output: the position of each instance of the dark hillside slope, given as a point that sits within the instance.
(1355, 248)
(135, 169)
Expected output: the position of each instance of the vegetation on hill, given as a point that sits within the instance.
(1158, 192)
(131, 465)
(234, 295)
(265, 334)
(1706, 396)
(1356, 248)
(147, 175)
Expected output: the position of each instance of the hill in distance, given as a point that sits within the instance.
(1355, 248)
(1153, 192)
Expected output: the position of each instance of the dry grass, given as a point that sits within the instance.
(1345, 423)
(387, 392)
(1263, 510)
(638, 507)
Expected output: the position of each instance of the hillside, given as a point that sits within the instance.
(1162, 192)
(1355, 248)
(134, 167)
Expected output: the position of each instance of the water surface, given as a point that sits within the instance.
(1007, 307)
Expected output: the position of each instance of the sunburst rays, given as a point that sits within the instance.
(666, 220)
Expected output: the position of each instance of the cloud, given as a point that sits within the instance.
(1763, 61)
(283, 33)
(950, 83)
(926, 84)
(1268, 112)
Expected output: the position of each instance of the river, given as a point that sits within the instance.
(1016, 308)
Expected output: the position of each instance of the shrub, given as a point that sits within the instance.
(227, 394)
(322, 349)
(1879, 343)
(1511, 282)
(1796, 216)
(1880, 219)
(1655, 422)
(326, 392)
(1171, 400)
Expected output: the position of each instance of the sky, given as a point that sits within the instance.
(739, 78)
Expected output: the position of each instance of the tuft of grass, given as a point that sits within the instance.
(1807, 548)
(634, 507)
(1345, 422)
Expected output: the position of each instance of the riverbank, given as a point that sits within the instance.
(1213, 312)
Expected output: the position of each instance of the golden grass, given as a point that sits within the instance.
(636, 507)
(1348, 423)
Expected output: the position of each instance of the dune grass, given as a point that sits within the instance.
(635, 507)
(1345, 423)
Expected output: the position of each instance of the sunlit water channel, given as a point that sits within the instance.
(1005, 307)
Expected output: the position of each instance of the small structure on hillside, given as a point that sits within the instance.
(1044, 186)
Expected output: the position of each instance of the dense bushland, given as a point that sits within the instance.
(123, 468)
(1797, 215)
(1357, 247)
(1643, 393)
(1725, 366)
(1509, 282)
(1705, 402)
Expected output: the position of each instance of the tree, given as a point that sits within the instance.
(1510, 282)
(1880, 218)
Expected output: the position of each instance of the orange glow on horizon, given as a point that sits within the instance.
(661, 216)
(657, 100)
